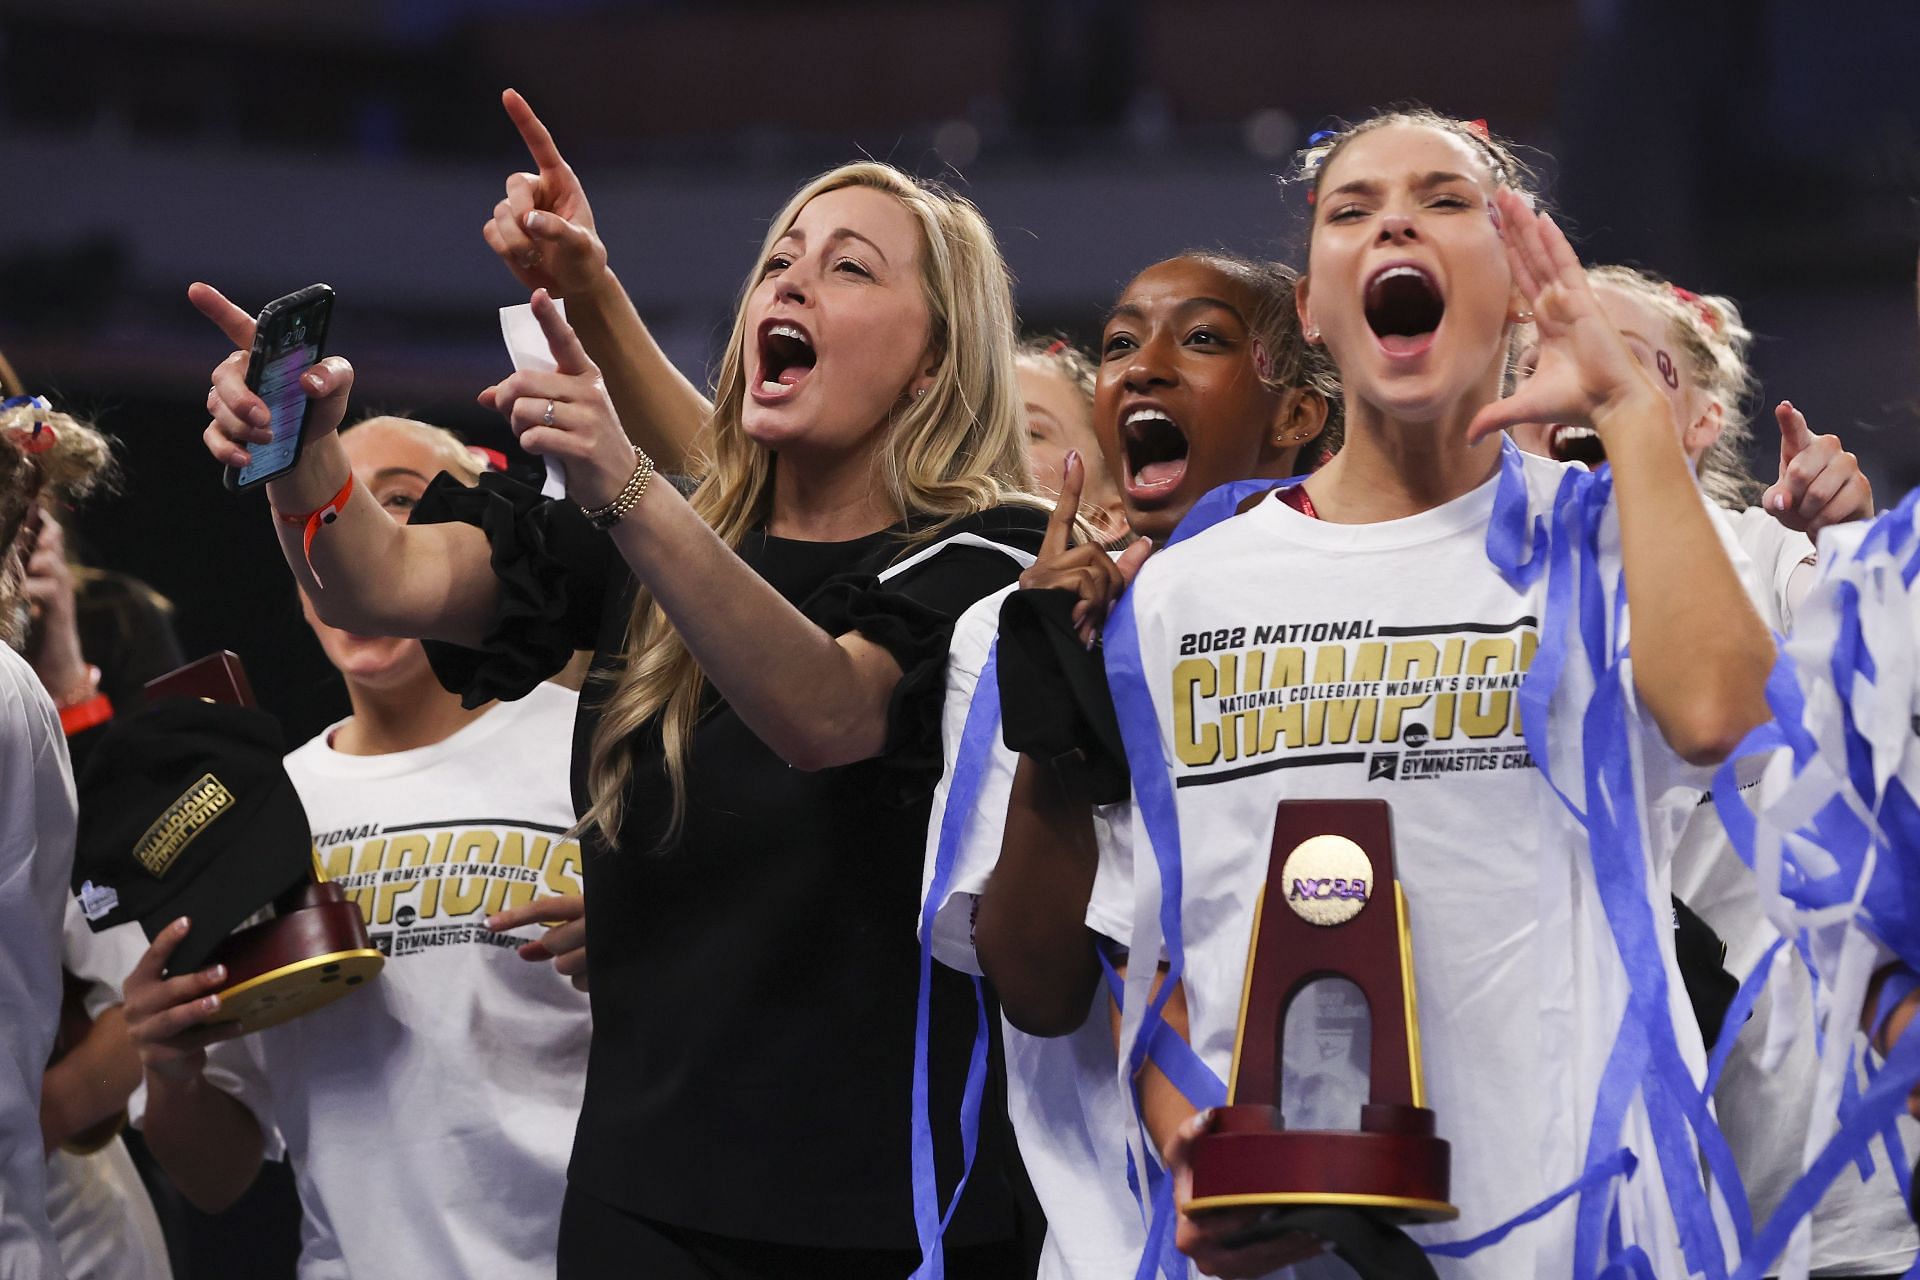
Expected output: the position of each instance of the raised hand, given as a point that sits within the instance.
(167, 1017)
(1086, 570)
(564, 943)
(1584, 369)
(239, 416)
(1820, 483)
(543, 228)
(566, 414)
(54, 644)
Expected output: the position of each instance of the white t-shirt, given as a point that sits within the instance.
(1063, 1094)
(1290, 658)
(1859, 1227)
(36, 855)
(429, 1116)
(1779, 555)
(100, 1210)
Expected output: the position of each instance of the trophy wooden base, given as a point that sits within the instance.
(1393, 1165)
(305, 957)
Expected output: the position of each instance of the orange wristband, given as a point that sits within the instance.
(82, 716)
(316, 520)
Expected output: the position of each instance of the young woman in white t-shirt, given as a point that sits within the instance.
(1203, 379)
(41, 452)
(1696, 346)
(1424, 256)
(373, 1072)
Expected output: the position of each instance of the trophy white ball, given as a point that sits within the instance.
(1328, 880)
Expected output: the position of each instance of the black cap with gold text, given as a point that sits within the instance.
(186, 810)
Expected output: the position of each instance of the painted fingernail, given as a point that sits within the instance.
(217, 973)
(1073, 459)
(210, 1003)
(1493, 213)
(1779, 502)
(182, 925)
(314, 382)
(533, 220)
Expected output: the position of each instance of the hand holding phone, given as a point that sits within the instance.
(254, 438)
(289, 337)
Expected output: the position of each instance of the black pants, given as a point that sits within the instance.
(600, 1242)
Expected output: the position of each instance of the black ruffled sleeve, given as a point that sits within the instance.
(554, 571)
(911, 613)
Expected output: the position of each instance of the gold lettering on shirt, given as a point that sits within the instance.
(1194, 679)
(409, 878)
(1359, 689)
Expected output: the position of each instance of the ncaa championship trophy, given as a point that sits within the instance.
(1329, 995)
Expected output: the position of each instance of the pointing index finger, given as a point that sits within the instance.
(1073, 476)
(1795, 435)
(211, 303)
(539, 142)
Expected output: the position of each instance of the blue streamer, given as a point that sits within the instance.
(1154, 799)
(1621, 1164)
(1169, 1051)
(1738, 1012)
(1889, 896)
(1646, 1059)
(1620, 876)
(976, 745)
(1882, 1101)
(1849, 1099)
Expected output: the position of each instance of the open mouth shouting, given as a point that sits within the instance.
(1156, 450)
(1575, 444)
(1404, 307)
(786, 356)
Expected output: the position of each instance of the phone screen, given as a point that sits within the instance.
(280, 388)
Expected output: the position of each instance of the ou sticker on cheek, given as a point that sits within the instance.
(1667, 371)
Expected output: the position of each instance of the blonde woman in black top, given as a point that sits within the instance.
(756, 752)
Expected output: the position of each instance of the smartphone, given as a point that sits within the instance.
(288, 338)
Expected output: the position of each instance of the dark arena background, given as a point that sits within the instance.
(1765, 150)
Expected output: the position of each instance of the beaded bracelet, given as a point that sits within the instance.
(629, 496)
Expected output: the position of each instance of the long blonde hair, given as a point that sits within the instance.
(958, 449)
